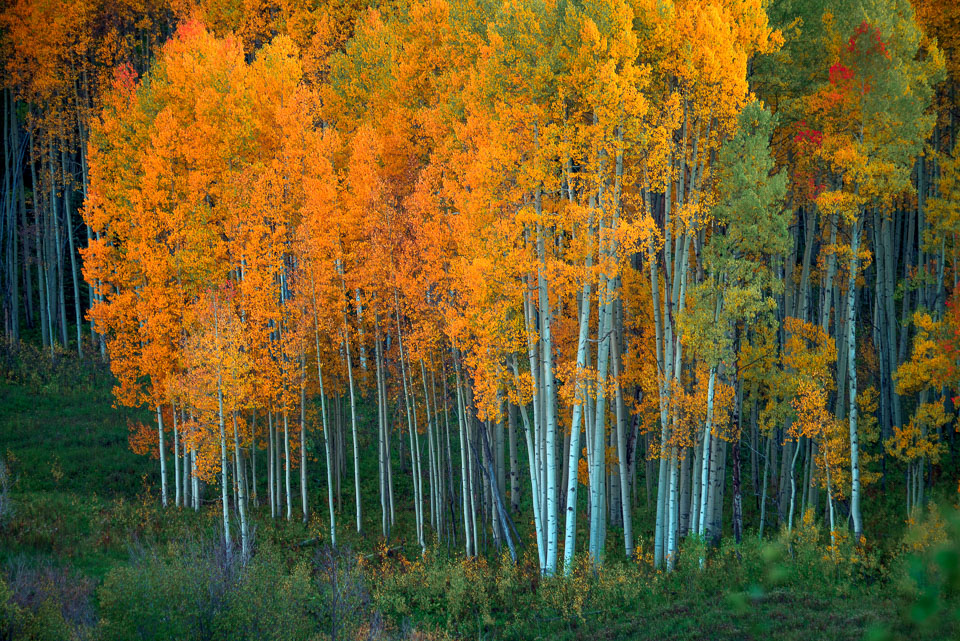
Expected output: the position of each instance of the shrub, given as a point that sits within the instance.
(42, 602)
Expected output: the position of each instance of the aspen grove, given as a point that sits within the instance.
(558, 265)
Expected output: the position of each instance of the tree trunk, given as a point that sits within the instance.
(73, 256)
(224, 486)
(303, 444)
(286, 463)
(852, 379)
(241, 494)
(176, 459)
(163, 457)
(514, 465)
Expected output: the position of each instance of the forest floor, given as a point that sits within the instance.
(84, 516)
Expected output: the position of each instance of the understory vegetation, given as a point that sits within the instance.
(87, 552)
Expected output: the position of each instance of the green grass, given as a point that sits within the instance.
(69, 440)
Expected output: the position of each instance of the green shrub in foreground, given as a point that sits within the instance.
(192, 592)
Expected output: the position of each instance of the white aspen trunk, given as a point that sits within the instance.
(537, 402)
(382, 451)
(718, 477)
(598, 467)
(432, 459)
(303, 443)
(534, 486)
(498, 455)
(353, 423)
(852, 378)
(687, 480)
(326, 425)
(598, 478)
(570, 531)
(242, 495)
(662, 330)
(793, 486)
(473, 479)
(387, 459)
(414, 464)
(163, 457)
(73, 257)
(326, 445)
(550, 422)
(449, 451)
(253, 460)
(533, 355)
(176, 459)
(671, 551)
(381, 443)
(514, 462)
(412, 427)
(187, 494)
(57, 249)
(417, 460)
(695, 487)
(661, 345)
(224, 481)
(286, 462)
(705, 458)
(195, 480)
(626, 501)
(826, 466)
(613, 321)
(278, 467)
(361, 348)
(271, 462)
(763, 492)
(464, 480)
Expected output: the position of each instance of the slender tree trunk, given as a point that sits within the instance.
(271, 463)
(852, 379)
(705, 460)
(253, 459)
(534, 485)
(793, 486)
(626, 504)
(224, 487)
(382, 452)
(176, 458)
(514, 464)
(58, 249)
(763, 492)
(39, 245)
(464, 475)
(737, 495)
(353, 423)
(224, 482)
(303, 444)
(286, 462)
(73, 254)
(569, 545)
(671, 551)
(195, 480)
(598, 471)
(163, 457)
(550, 422)
(241, 495)
(187, 494)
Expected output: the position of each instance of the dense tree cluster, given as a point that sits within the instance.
(709, 246)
